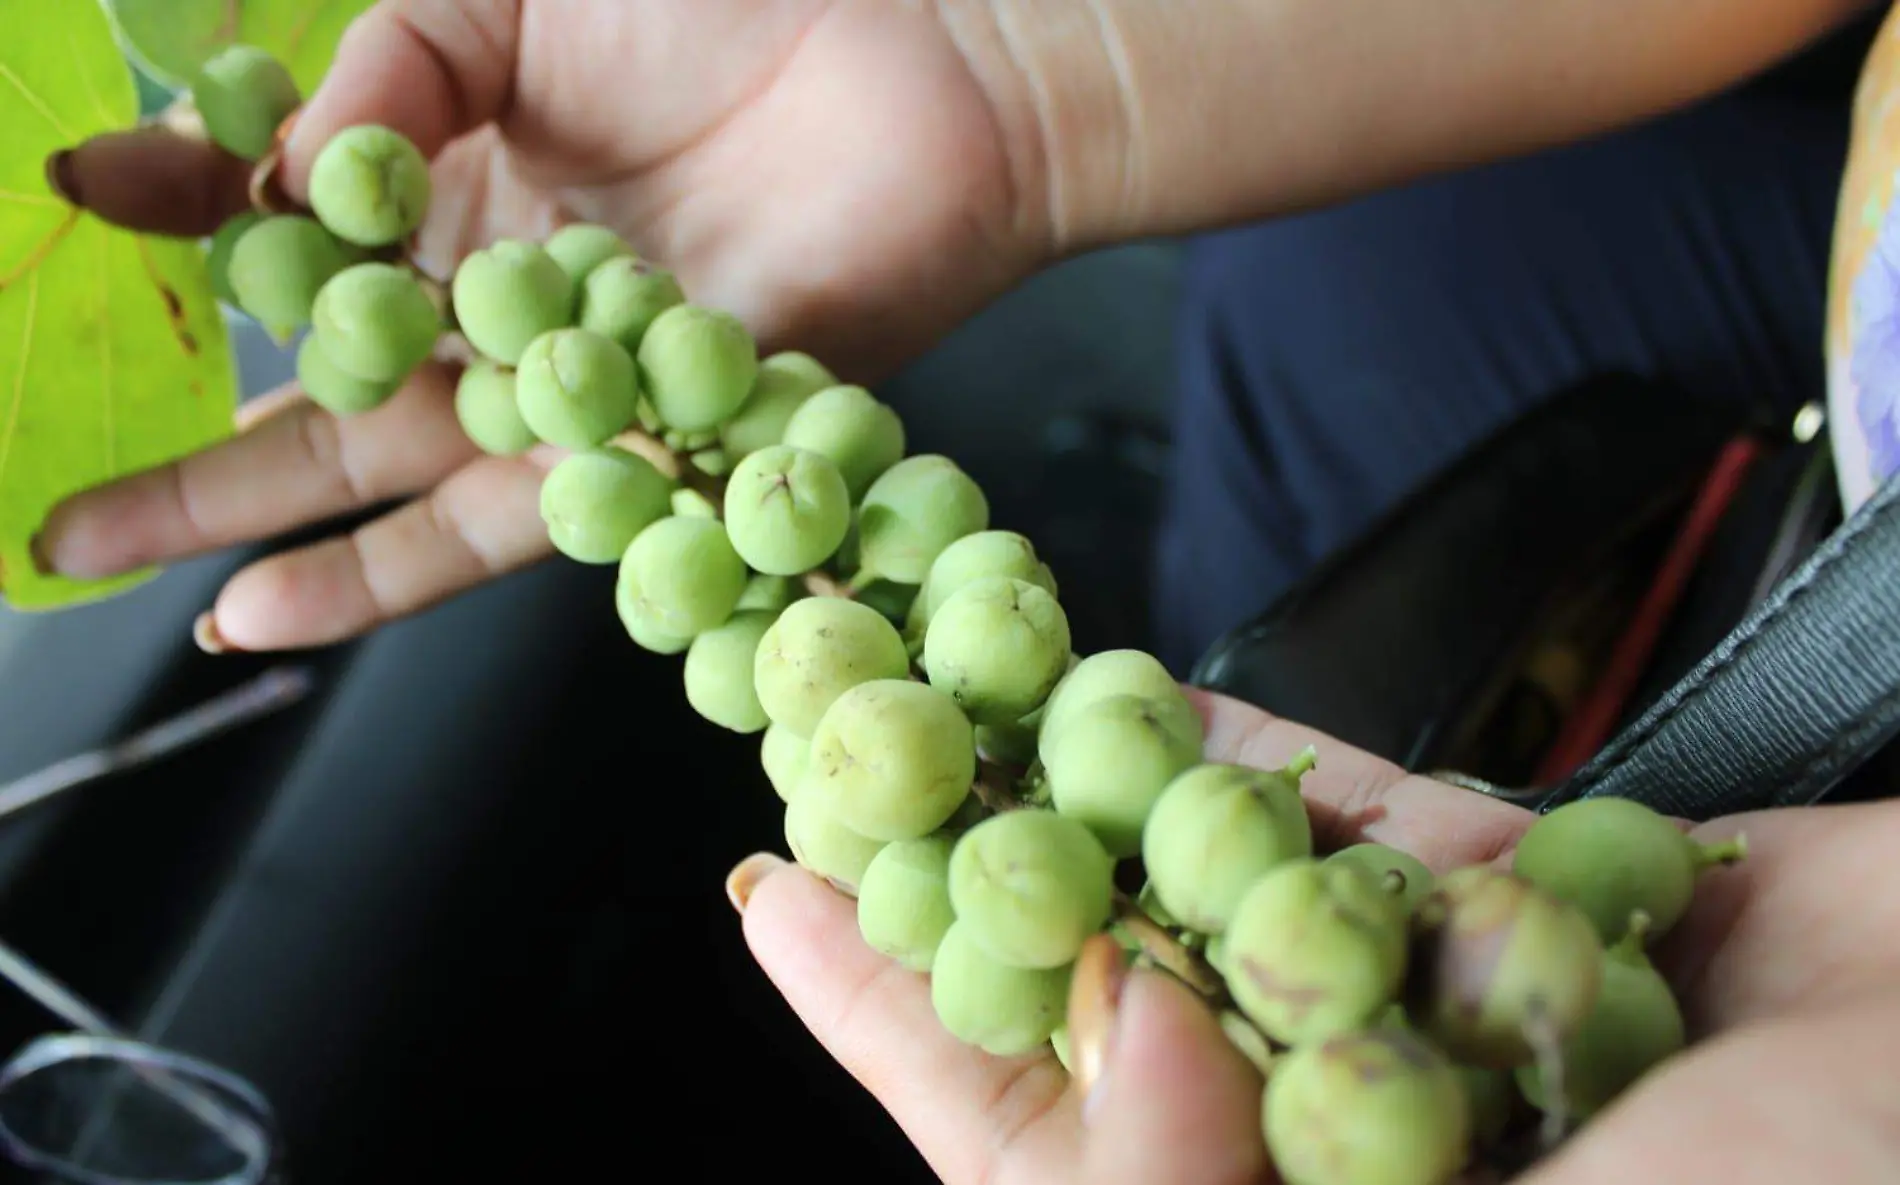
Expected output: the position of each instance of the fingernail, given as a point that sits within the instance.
(267, 192)
(42, 562)
(1095, 996)
(282, 136)
(746, 876)
(204, 631)
(62, 178)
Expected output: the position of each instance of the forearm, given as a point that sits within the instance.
(1128, 118)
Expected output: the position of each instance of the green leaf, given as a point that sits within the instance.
(174, 38)
(113, 354)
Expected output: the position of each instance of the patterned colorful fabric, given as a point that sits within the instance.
(1863, 322)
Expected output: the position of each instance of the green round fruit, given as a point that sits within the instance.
(1031, 887)
(1401, 871)
(596, 503)
(1635, 1026)
(976, 557)
(1380, 1107)
(773, 593)
(718, 673)
(787, 510)
(904, 905)
(508, 295)
(279, 265)
(1110, 673)
(1314, 950)
(576, 389)
(1612, 857)
(891, 759)
(333, 390)
(783, 755)
(847, 424)
(376, 322)
(697, 366)
(580, 247)
(370, 186)
(243, 94)
(1004, 1011)
(623, 296)
(997, 646)
(826, 846)
(1112, 760)
(218, 255)
(644, 623)
(785, 380)
(820, 648)
(682, 577)
(1215, 830)
(1496, 959)
(490, 416)
(914, 510)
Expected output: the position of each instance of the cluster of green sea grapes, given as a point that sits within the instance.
(943, 754)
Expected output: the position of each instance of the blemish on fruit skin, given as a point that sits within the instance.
(1299, 999)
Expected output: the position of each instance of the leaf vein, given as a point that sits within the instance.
(105, 353)
(35, 102)
(80, 68)
(31, 199)
(19, 378)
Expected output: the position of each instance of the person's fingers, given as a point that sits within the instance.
(1814, 1092)
(153, 180)
(433, 70)
(255, 411)
(1799, 920)
(299, 466)
(1172, 1100)
(483, 522)
(973, 1117)
(1354, 796)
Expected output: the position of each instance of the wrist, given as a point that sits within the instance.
(1053, 75)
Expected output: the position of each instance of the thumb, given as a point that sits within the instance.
(433, 70)
(1169, 1098)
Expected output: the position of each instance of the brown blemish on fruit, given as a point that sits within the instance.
(1465, 936)
(1299, 999)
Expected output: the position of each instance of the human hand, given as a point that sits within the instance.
(832, 171)
(1786, 967)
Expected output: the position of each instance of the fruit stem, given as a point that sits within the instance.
(1724, 854)
(995, 787)
(1393, 882)
(1303, 762)
(820, 584)
(1635, 938)
(1168, 954)
(1548, 1048)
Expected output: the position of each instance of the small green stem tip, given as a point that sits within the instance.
(1636, 938)
(1393, 882)
(1721, 855)
(1303, 762)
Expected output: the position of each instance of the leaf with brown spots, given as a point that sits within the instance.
(113, 354)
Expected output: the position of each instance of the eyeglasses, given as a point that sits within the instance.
(97, 1106)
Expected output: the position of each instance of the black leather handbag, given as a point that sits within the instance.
(1627, 593)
